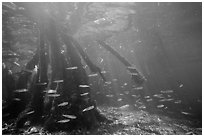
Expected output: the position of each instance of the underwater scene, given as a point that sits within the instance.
(102, 68)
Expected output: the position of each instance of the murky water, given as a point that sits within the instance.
(162, 40)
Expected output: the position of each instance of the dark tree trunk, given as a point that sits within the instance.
(52, 70)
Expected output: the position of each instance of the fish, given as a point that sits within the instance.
(149, 100)
(167, 91)
(70, 116)
(137, 100)
(121, 94)
(88, 108)
(53, 95)
(84, 94)
(190, 133)
(109, 96)
(160, 106)
(125, 84)
(124, 106)
(108, 82)
(41, 83)
(134, 95)
(181, 85)
(134, 74)
(63, 121)
(168, 96)
(120, 99)
(17, 64)
(165, 99)
(101, 60)
(130, 67)
(147, 97)
(21, 90)
(17, 99)
(158, 95)
(58, 81)
(138, 88)
(85, 66)
(103, 72)
(93, 75)
(50, 91)
(71, 68)
(185, 113)
(177, 101)
(31, 112)
(84, 86)
(63, 104)
(142, 107)
(98, 21)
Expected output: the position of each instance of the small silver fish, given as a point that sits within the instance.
(101, 60)
(124, 106)
(98, 21)
(63, 104)
(103, 72)
(31, 112)
(84, 86)
(158, 95)
(148, 100)
(137, 100)
(165, 99)
(63, 121)
(93, 75)
(50, 91)
(125, 84)
(160, 106)
(167, 91)
(88, 108)
(185, 113)
(147, 97)
(109, 96)
(108, 82)
(58, 81)
(180, 86)
(85, 66)
(41, 83)
(84, 94)
(53, 95)
(134, 74)
(71, 68)
(21, 90)
(120, 99)
(17, 64)
(142, 107)
(130, 67)
(139, 88)
(70, 116)
(17, 99)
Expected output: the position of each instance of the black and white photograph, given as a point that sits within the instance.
(101, 68)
